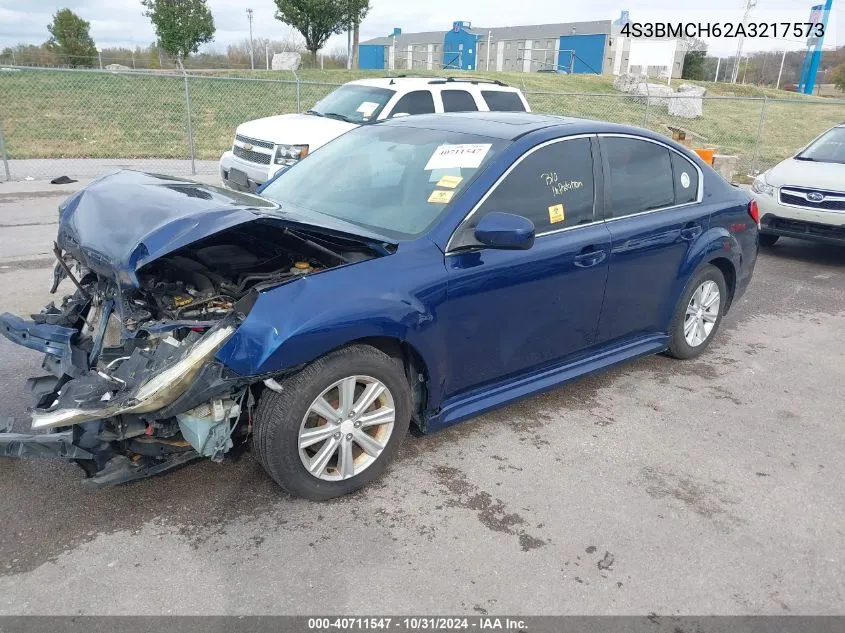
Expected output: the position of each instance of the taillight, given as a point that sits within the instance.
(754, 212)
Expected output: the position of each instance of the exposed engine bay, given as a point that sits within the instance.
(132, 388)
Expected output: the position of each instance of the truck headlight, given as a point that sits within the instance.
(288, 155)
(761, 186)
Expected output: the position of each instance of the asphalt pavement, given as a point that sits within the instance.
(711, 486)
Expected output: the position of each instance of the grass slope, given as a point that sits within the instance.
(56, 114)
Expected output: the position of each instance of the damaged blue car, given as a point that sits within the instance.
(419, 271)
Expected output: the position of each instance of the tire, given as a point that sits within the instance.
(281, 417)
(679, 345)
(767, 239)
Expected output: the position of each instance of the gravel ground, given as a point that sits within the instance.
(706, 487)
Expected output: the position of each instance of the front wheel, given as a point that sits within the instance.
(336, 424)
(698, 314)
(767, 239)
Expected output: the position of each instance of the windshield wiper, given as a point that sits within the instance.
(807, 158)
(314, 112)
(335, 115)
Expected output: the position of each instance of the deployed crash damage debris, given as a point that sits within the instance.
(131, 385)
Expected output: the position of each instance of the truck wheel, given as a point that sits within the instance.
(336, 424)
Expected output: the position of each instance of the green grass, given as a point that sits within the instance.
(55, 114)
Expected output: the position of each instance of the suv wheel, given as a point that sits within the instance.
(698, 314)
(336, 424)
(767, 239)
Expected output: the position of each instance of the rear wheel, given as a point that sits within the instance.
(336, 424)
(767, 239)
(699, 313)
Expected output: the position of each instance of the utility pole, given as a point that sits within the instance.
(267, 54)
(745, 71)
(718, 63)
(750, 4)
(780, 73)
(251, 49)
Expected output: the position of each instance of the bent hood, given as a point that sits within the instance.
(808, 174)
(125, 220)
(296, 129)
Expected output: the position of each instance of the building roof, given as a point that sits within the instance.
(528, 32)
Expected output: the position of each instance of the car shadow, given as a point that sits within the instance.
(807, 252)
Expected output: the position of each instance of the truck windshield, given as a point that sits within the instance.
(394, 181)
(828, 148)
(356, 104)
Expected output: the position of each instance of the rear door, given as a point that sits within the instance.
(654, 214)
(508, 312)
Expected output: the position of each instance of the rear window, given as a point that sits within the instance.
(458, 101)
(499, 101)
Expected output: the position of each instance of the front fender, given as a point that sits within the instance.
(300, 321)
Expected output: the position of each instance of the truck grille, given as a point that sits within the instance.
(251, 156)
(801, 197)
(254, 141)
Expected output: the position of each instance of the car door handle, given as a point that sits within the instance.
(590, 257)
(690, 232)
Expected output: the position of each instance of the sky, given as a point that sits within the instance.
(122, 23)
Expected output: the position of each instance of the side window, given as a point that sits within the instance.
(686, 179)
(458, 101)
(417, 102)
(639, 176)
(553, 187)
(500, 101)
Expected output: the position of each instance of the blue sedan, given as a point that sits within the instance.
(422, 270)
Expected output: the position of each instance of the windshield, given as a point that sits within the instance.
(356, 104)
(394, 181)
(828, 148)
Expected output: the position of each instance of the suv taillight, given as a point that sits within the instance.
(754, 212)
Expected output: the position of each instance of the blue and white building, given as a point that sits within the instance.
(575, 47)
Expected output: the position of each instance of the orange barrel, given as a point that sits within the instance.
(706, 154)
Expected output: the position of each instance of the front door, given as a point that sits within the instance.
(508, 312)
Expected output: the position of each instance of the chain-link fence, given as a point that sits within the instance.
(180, 124)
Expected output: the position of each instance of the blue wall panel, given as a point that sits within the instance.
(371, 57)
(460, 48)
(587, 50)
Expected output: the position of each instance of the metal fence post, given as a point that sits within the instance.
(647, 99)
(759, 135)
(190, 126)
(5, 155)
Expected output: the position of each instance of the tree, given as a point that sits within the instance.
(181, 25)
(70, 40)
(838, 76)
(694, 61)
(318, 20)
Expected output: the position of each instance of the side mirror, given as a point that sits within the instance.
(505, 231)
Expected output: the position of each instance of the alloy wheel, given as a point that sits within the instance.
(346, 428)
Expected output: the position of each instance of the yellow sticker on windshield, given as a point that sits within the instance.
(556, 214)
(450, 181)
(440, 197)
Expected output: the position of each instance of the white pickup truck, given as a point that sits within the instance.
(266, 146)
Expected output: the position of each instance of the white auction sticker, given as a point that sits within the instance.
(367, 108)
(466, 155)
(685, 180)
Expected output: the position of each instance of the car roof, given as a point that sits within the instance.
(428, 83)
(509, 126)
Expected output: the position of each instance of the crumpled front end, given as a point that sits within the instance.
(130, 385)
